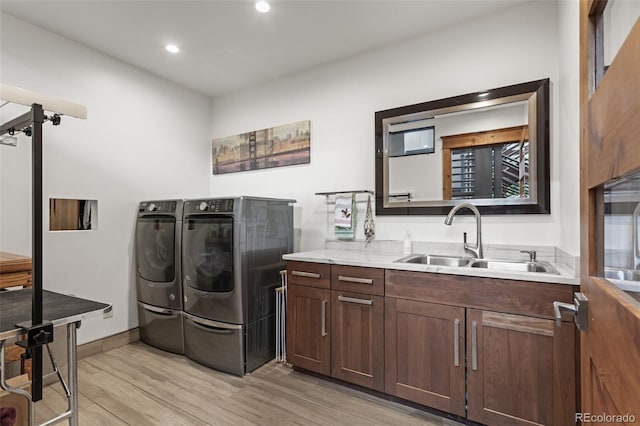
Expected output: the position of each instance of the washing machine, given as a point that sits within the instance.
(158, 238)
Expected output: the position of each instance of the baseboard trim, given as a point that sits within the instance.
(107, 343)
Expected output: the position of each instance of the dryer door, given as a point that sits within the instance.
(155, 248)
(209, 278)
(208, 253)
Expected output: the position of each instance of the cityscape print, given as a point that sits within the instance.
(278, 146)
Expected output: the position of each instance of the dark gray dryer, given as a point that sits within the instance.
(158, 274)
(232, 258)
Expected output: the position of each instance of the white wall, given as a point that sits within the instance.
(145, 138)
(517, 45)
(568, 112)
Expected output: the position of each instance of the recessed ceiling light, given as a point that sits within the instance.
(263, 6)
(172, 48)
(483, 94)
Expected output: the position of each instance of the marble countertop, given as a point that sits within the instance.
(374, 259)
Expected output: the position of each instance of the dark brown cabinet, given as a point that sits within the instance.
(337, 332)
(357, 343)
(357, 324)
(308, 339)
(520, 369)
(520, 364)
(483, 348)
(425, 354)
(309, 316)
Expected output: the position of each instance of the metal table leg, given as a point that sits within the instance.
(72, 375)
(72, 365)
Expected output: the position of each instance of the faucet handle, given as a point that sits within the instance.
(531, 253)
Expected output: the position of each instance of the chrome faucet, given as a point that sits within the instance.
(635, 247)
(476, 250)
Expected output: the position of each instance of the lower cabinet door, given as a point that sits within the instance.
(521, 370)
(424, 353)
(308, 324)
(357, 343)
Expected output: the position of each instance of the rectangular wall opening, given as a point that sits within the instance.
(72, 215)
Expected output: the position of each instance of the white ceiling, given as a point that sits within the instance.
(226, 45)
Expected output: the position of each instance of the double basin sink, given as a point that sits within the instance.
(465, 262)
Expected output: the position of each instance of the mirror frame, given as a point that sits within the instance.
(540, 200)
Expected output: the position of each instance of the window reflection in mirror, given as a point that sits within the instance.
(72, 215)
(410, 140)
(487, 164)
(490, 172)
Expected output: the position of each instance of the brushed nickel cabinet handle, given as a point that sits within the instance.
(355, 280)
(324, 318)
(456, 342)
(354, 300)
(474, 346)
(306, 274)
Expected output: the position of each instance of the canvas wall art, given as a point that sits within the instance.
(261, 149)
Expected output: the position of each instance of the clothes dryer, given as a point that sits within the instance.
(158, 273)
(232, 258)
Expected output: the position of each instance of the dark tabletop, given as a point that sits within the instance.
(15, 307)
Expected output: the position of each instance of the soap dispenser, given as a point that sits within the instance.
(407, 249)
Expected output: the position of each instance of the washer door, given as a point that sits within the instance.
(155, 248)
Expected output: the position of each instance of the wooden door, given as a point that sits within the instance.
(357, 341)
(424, 353)
(610, 148)
(308, 323)
(521, 370)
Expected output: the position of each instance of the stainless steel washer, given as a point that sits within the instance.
(158, 273)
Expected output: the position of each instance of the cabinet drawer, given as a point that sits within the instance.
(493, 294)
(357, 279)
(309, 274)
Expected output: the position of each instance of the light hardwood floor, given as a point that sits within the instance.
(139, 385)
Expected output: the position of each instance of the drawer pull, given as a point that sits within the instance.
(474, 346)
(324, 318)
(354, 300)
(456, 342)
(355, 280)
(306, 274)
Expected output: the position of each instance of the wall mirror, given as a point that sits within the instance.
(490, 148)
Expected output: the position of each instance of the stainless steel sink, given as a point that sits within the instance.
(466, 262)
(517, 266)
(622, 274)
(435, 259)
